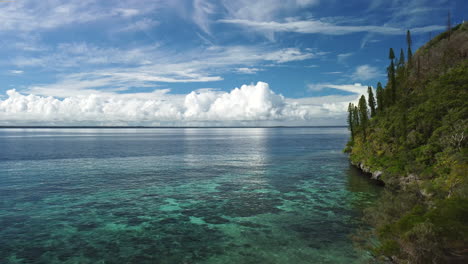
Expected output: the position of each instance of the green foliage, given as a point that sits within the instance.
(371, 101)
(422, 234)
(409, 42)
(391, 54)
(391, 86)
(380, 97)
(450, 216)
(401, 61)
(363, 115)
(356, 117)
(352, 122)
(445, 35)
(419, 128)
(388, 248)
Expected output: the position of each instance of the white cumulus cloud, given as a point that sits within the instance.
(249, 103)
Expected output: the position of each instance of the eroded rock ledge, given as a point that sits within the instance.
(403, 182)
(373, 175)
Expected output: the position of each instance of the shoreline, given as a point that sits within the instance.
(375, 176)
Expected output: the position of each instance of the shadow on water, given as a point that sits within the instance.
(360, 182)
(365, 190)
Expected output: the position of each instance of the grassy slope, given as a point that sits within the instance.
(420, 144)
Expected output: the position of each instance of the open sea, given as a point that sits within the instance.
(180, 195)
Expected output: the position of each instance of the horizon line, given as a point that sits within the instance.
(123, 127)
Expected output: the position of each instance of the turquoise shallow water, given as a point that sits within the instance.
(227, 195)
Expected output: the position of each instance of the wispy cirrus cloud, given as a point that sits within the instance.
(74, 54)
(356, 88)
(139, 25)
(366, 72)
(16, 71)
(201, 16)
(148, 66)
(29, 15)
(268, 17)
(410, 14)
(246, 70)
(342, 57)
(337, 104)
(207, 12)
(264, 10)
(320, 27)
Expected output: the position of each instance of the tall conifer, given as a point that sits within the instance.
(401, 62)
(380, 97)
(350, 120)
(371, 101)
(391, 77)
(363, 115)
(356, 122)
(409, 42)
(391, 54)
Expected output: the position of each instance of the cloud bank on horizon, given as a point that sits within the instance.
(248, 105)
(156, 62)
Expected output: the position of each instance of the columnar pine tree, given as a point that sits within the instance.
(356, 122)
(409, 42)
(350, 120)
(391, 54)
(391, 76)
(401, 62)
(380, 97)
(371, 101)
(363, 115)
(402, 72)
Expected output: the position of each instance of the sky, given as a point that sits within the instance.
(202, 62)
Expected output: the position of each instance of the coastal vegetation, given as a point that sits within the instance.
(412, 136)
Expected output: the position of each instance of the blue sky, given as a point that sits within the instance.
(178, 62)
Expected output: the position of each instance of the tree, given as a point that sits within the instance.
(391, 76)
(380, 97)
(391, 54)
(371, 101)
(363, 115)
(401, 62)
(356, 121)
(409, 42)
(351, 125)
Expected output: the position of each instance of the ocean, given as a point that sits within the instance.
(180, 195)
